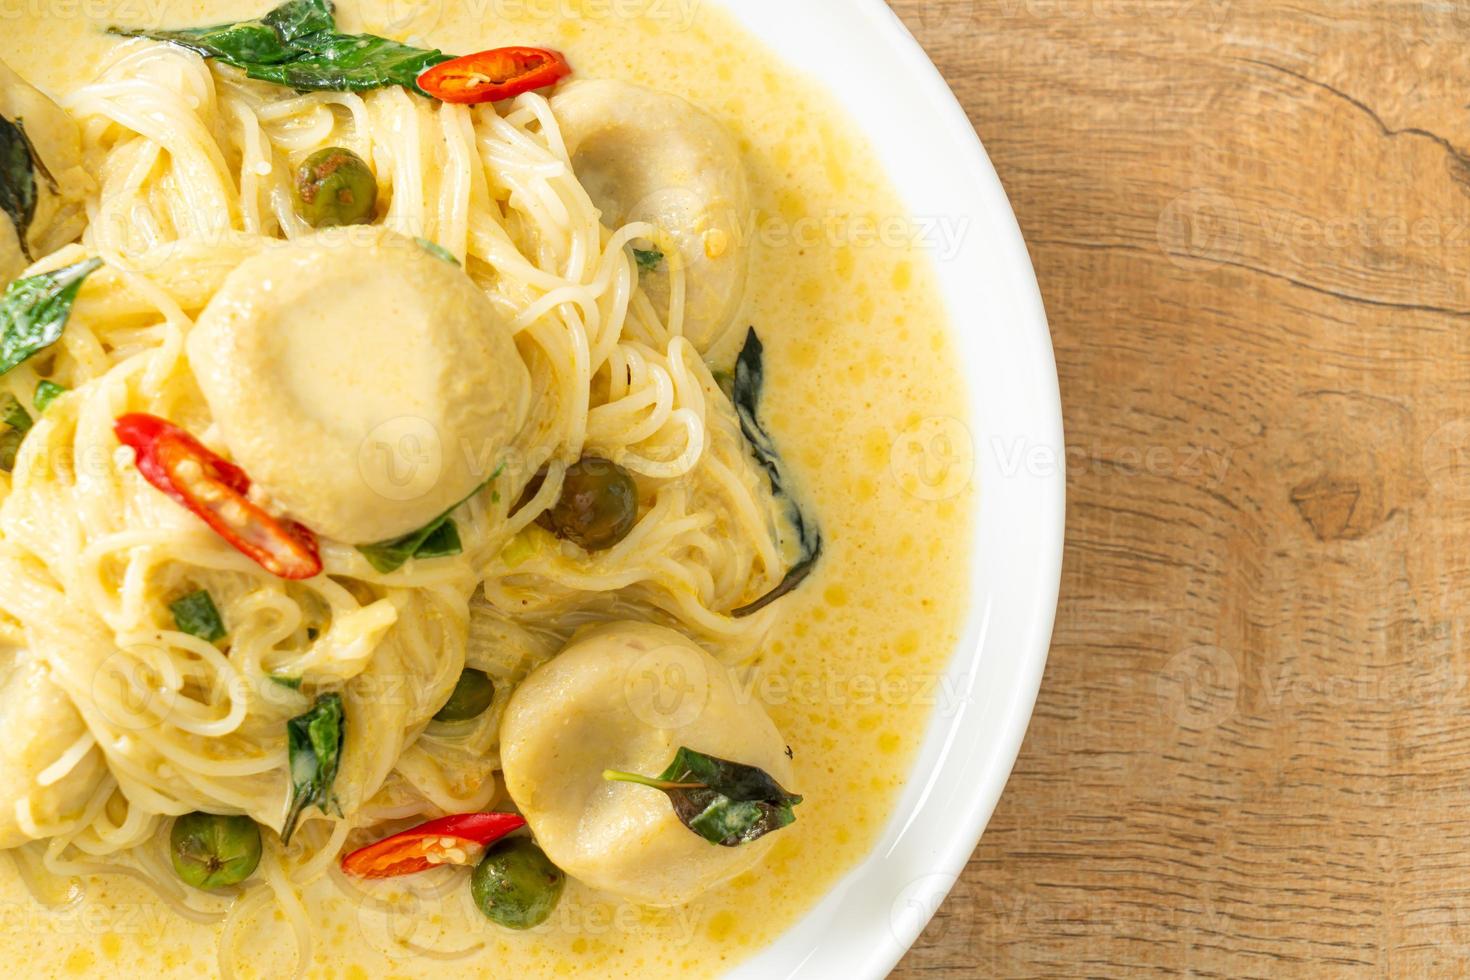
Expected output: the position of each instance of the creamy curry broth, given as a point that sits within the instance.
(861, 376)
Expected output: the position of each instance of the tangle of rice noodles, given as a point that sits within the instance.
(192, 166)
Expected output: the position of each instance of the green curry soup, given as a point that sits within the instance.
(860, 385)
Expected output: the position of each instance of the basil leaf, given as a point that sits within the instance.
(297, 45)
(17, 422)
(13, 414)
(196, 615)
(294, 683)
(46, 393)
(746, 390)
(314, 743)
(437, 250)
(443, 543)
(349, 63)
(268, 40)
(34, 310)
(437, 539)
(19, 163)
(726, 382)
(10, 441)
(298, 18)
(648, 259)
(724, 802)
(251, 42)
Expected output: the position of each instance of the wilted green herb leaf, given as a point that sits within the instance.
(437, 539)
(726, 382)
(196, 615)
(34, 310)
(46, 393)
(10, 441)
(349, 63)
(13, 415)
(294, 683)
(19, 164)
(268, 40)
(724, 802)
(648, 259)
(314, 744)
(15, 422)
(443, 543)
(749, 383)
(297, 45)
(299, 18)
(437, 250)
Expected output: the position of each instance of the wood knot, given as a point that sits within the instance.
(1336, 508)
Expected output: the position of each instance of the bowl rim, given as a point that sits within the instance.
(954, 786)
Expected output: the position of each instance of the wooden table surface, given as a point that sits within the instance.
(1251, 225)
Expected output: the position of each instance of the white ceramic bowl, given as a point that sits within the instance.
(930, 152)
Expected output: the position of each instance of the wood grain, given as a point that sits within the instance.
(1251, 226)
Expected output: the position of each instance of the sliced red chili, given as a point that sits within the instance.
(460, 839)
(214, 490)
(490, 76)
